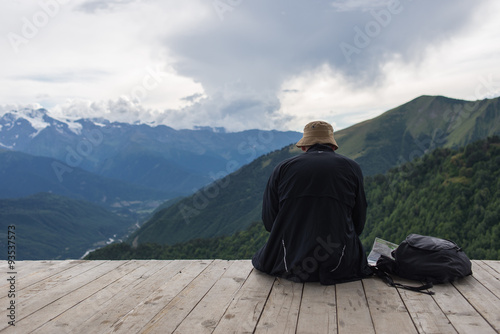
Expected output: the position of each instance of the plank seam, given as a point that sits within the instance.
(491, 267)
(170, 263)
(231, 299)
(264, 306)
(161, 310)
(300, 305)
(199, 301)
(472, 305)
(25, 316)
(487, 273)
(56, 273)
(81, 301)
(368, 304)
(408, 310)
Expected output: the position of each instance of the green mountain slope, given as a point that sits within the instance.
(228, 205)
(397, 136)
(452, 194)
(54, 227)
(414, 128)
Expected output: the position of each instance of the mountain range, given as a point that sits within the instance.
(159, 157)
(130, 169)
(399, 135)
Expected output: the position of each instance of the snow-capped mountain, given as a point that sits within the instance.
(159, 157)
(19, 127)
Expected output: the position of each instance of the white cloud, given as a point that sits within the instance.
(258, 65)
(352, 5)
(464, 67)
(100, 55)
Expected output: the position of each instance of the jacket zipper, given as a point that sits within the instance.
(340, 260)
(284, 255)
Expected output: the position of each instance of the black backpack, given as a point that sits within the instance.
(426, 259)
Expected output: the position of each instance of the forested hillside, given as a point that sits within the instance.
(52, 227)
(241, 245)
(452, 194)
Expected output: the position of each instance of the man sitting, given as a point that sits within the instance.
(315, 208)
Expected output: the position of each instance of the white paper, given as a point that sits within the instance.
(380, 247)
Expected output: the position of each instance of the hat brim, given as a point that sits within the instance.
(309, 141)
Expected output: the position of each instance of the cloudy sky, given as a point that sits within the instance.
(243, 64)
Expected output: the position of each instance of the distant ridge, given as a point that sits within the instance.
(22, 175)
(416, 127)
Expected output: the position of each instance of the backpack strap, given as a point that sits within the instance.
(388, 279)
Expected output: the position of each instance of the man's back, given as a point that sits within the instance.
(320, 173)
(314, 206)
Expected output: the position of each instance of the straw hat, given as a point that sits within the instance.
(317, 132)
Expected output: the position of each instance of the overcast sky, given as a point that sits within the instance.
(244, 64)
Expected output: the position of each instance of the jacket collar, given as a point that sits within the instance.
(320, 147)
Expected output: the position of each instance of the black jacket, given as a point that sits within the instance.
(315, 208)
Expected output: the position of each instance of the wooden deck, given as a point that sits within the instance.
(231, 297)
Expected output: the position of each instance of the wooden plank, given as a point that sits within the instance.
(281, 311)
(144, 296)
(182, 295)
(464, 318)
(23, 269)
(74, 315)
(208, 312)
(140, 298)
(245, 310)
(52, 290)
(486, 303)
(31, 272)
(318, 309)
(46, 282)
(114, 271)
(425, 313)
(487, 276)
(48, 290)
(28, 267)
(353, 314)
(495, 265)
(61, 277)
(389, 313)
